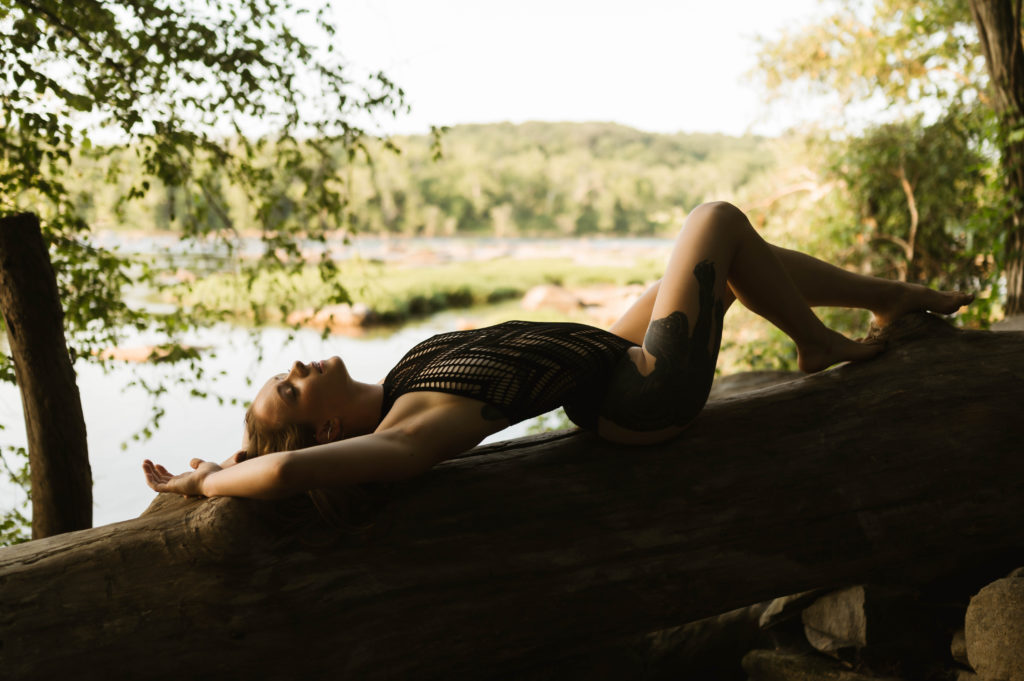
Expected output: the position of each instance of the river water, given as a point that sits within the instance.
(195, 427)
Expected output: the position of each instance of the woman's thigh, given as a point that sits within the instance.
(656, 399)
(658, 388)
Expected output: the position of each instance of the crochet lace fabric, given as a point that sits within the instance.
(522, 368)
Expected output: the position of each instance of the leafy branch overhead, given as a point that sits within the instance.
(907, 51)
(931, 192)
(230, 89)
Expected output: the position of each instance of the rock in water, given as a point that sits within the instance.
(549, 296)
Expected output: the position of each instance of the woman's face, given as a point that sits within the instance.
(309, 394)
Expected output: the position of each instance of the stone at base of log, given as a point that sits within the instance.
(880, 626)
(785, 608)
(994, 630)
(958, 647)
(784, 665)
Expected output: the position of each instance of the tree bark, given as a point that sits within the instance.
(513, 557)
(58, 455)
(999, 30)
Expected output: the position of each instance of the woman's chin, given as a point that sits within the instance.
(334, 364)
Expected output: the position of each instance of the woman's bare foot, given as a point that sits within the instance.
(917, 298)
(832, 348)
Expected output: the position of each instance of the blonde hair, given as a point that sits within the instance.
(263, 439)
(340, 508)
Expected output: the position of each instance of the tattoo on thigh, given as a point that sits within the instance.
(677, 388)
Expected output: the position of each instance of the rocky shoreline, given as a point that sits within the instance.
(600, 304)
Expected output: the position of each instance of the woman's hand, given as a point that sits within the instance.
(187, 484)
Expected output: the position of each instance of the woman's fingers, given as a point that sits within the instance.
(186, 484)
(157, 476)
(153, 478)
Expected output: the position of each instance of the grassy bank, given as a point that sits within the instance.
(398, 293)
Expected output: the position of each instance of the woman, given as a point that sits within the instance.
(641, 382)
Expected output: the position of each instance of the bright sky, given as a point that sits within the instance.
(656, 65)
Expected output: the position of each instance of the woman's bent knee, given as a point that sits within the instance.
(717, 213)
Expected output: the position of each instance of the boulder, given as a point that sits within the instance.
(836, 624)
(881, 626)
(336, 318)
(606, 304)
(994, 630)
(958, 647)
(341, 317)
(552, 297)
(781, 620)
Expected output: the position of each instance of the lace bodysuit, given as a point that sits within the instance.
(522, 368)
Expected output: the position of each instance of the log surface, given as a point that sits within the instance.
(507, 559)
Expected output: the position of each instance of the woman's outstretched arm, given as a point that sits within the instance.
(402, 451)
(387, 455)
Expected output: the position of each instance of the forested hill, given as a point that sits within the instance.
(503, 179)
(609, 141)
(564, 178)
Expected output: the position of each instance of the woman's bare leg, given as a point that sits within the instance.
(821, 285)
(658, 388)
(741, 261)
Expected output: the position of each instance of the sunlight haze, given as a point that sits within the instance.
(656, 66)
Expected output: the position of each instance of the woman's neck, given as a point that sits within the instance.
(364, 409)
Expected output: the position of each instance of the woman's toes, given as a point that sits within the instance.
(960, 299)
(918, 298)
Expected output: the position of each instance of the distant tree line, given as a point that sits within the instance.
(532, 179)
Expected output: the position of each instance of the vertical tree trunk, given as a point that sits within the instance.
(58, 457)
(999, 30)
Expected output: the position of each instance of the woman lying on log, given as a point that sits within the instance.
(640, 382)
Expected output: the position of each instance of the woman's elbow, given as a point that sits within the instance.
(283, 478)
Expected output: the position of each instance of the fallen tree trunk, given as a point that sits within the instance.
(494, 565)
